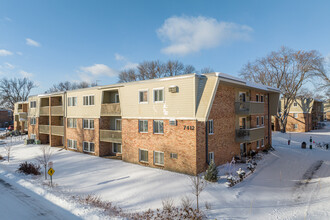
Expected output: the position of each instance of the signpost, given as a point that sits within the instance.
(51, 171)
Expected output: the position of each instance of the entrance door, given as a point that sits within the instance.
(243, 149)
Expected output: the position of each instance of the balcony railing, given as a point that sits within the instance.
(111, 109)
(22, 117)
(58, 130)
(251, 134)
(44, 110)
(44, 129)
(57, 110)
(19, 110)
(110, 136)
(249, 108)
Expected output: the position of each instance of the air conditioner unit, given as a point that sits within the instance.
(173, 122)
(173, 89)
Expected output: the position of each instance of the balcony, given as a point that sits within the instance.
(251, 134)
(44, 110)
(58, 130)
(20, 110)
(249, 108)
(44, 129)
(22, 116)
(110, 136)
(57, 110)
(111, 109)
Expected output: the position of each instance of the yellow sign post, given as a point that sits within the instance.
(51, 171)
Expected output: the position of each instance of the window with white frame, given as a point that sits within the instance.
(72, 144)
(33, 121)
(159, 158)
(257, 98)
(258, 144)
(257, 119)
(261, 98)
(88, 123)
(72, 122)
(88, 146)
(262, 120)
(158, 127)
(173, 156)
(33, 136)
(158, 95)
(211, 157)
(295, 126)
(143, 96)
(72, 101)
(262, 143)
(116, 148)
(295, 115)
(211, 127)
(143, 126)
(118, 124)
(33, 104)
(143, 155)
(88, 100)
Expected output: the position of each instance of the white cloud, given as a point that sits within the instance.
(4, 52)
(119, 57)
(8, 19)
(19, 53)
(9, 66)
(25, 74)
(130, 65)
(192, 34)
(127, 63)
(31, 42)
(99, 69)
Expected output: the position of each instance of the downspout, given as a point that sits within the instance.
(269, 123)
(206, 144)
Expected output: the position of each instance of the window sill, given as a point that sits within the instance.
(143, 132)
(160, 165)
(144, 162)
(158, 133)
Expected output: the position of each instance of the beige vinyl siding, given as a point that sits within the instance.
(175, 105)
(303, 106)
(33, 112)
(84, 111)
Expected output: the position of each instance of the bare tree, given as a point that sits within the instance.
(8, 149)
(66, 86)
(14, 90)
(189, 69)
(127, 76)
(150, 70)
(197, 186)
(174, 68)
(287, 70)
(206, 70)
(44, 158)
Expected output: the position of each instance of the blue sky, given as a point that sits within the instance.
(53, 41)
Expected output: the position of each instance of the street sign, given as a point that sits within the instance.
(50, 164)
(51, 171)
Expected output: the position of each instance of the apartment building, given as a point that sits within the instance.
(6, 117)
(327, 110)
(20, 117)
(303, 116)
(176, 123)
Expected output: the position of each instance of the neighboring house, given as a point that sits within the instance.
(304, 115)
(20, 116)
(327, 110)
(178, 123)
(6, 118)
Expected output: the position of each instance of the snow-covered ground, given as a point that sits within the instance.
(277, 190)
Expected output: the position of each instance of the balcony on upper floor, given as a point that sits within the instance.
(113, 136)
(250, 134)
(249, 108)
(57, 130)
(44, 129)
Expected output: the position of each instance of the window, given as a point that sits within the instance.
(88, 123)
(72, 101)
(72, 144)
(258, 144)
(116, 98)
(295, 115)
(116, 148)
(88, 100)
(33, 136)
(242, 123)
(158, 127)
(257, 98)
(118, 125)
(242, 96)
(158, 95)
(143, 155)
(295, 126)
(33, 121)
(143, 126)
(211, 157)
(211, 128)
(143, 96)
(72, 122)
(262, 121)
(88, 146)
(158, 158)
(295, 104)
(173, 156)
(33, 104)
(262, 143)
(257, 121)
(261, 98)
